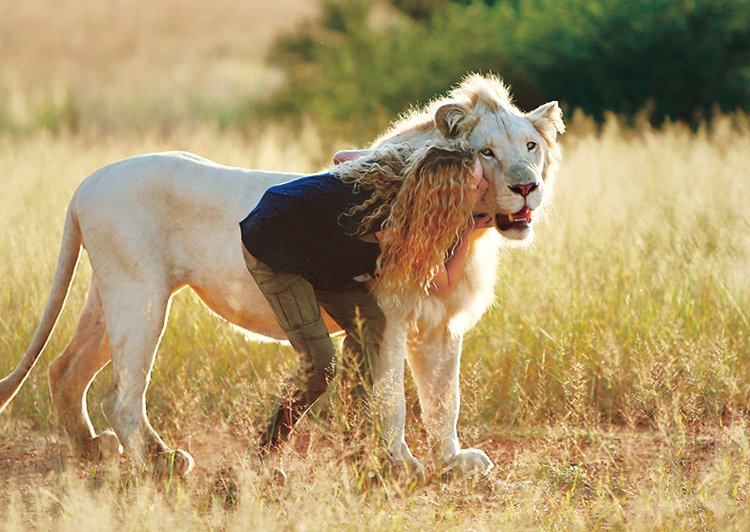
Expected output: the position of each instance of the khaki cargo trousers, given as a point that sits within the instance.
(296, 305)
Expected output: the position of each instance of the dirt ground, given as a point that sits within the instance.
(29, 456)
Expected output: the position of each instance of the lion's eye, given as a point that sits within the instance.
(530, 145)
(487, 152)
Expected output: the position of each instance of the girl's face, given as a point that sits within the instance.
(479, 181)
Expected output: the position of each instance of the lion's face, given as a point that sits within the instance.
(512, 154)
(518, 153)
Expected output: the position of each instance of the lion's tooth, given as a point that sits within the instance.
(510, 217)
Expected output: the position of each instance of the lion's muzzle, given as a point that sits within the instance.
(517, 220)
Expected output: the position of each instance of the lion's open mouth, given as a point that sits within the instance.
(518, 220)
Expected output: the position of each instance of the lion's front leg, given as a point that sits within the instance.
(435, 359)
(389, 401)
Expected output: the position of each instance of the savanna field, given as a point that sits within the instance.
(610, 384)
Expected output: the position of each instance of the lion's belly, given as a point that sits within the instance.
(242, 304)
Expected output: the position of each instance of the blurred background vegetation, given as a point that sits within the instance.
(670, 59)
(351, 66)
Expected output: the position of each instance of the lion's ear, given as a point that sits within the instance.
(452, 119)
(547, 119)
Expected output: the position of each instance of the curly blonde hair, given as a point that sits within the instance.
(425, 197)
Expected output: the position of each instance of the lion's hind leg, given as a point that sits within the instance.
(136, 315)
(71, 374)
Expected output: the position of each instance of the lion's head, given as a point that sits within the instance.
(518, 151)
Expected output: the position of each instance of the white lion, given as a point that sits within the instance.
(154, 224)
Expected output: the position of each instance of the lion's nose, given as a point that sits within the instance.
(523, 190)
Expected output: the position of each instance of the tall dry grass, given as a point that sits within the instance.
(610, 383)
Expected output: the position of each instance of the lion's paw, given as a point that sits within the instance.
(183, 462)
(177, 463)
(98, 448)
(470, 462)
(414, 468)
(401, 458)
(108, 444)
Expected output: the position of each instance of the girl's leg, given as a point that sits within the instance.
(357, 311)
(293, 301)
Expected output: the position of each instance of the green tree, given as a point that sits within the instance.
(679, 59)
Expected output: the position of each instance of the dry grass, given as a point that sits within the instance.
(610, 384)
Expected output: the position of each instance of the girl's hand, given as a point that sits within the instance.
(483, 222)
(347, 155)
(478, 222)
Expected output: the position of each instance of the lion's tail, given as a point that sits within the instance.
(66, 268)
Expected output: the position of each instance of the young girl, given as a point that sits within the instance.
(395, 217)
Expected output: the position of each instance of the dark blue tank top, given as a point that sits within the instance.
(299, 227)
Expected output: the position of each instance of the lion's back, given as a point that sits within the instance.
(174, 208)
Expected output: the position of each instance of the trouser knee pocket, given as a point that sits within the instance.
(295, 305)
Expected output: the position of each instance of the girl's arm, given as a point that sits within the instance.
(448, 274)
(347, 155)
